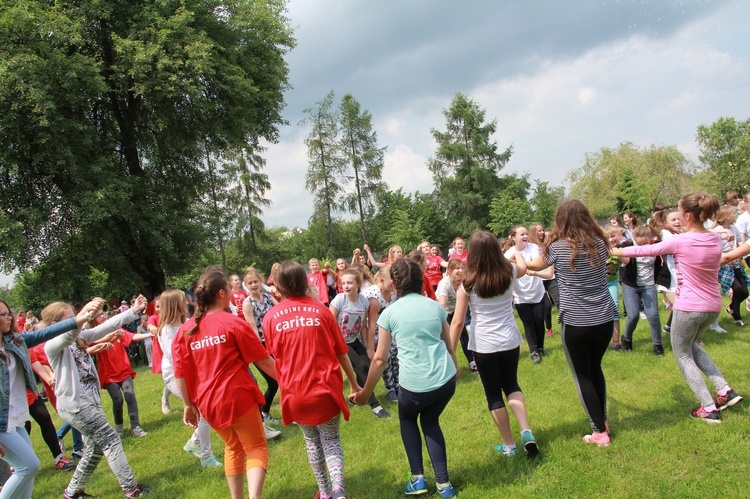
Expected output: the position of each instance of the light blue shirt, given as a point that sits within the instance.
(416, 325)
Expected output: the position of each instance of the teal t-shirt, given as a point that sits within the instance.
(416, 323)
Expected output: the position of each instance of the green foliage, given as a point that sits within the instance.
(406, 231)
(631, 178)
(107, 110)
(466, 164)
(545, 201)
(725, 154)
(510, 206)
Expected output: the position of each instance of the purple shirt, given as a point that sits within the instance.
(696, 256)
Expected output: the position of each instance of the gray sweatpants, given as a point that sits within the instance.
(100, 439)
(693, 360)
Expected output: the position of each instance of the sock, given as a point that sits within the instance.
(417, 476)
(443, 485)
(525, 431)
(710, 408)
(615, 342)
(377, 408)
(723, 391)
(508, 448)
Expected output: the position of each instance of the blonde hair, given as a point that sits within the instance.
(172, 308)
(54, 312)
(383, 273)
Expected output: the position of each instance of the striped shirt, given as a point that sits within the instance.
(584, 298)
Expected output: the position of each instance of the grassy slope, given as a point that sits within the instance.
(657, 449)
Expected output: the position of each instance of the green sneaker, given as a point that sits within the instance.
(529, 443)
(211, 462)
(192, 448)
(506, 451)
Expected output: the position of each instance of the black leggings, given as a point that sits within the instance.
(38, 411)
(584, 348)
(464, 340)
(118, 391)
(739, 292)
(551, 298)
(361, 364)
(272, 387)
(532, 316)
(499, 374)
(427, 406)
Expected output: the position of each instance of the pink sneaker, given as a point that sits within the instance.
(600, 439)
(550, 333)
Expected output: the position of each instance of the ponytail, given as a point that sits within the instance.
(213, 280)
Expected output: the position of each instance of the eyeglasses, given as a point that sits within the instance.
(6, 315)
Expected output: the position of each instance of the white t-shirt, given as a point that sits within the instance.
(165, 342)
(445, 288)
(527, 289)
(493, 326)
(351, 316)
(743, 226)
(18, 412)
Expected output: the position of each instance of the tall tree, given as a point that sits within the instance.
(545, 201)
(325, 161)
(725, 152)
(466, 164)
(359, 144)
(105, 109)
(631, 177)
(510, 206)
(246, 192)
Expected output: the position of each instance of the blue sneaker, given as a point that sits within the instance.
(447, 491)
(506, 451)
(416, 486)
(529, 443)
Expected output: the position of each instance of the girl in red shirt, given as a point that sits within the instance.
(116, 376)
(310, 351)
(210, 354)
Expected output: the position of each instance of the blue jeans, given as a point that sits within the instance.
(77, 439)
(19, 453)
(631, 297)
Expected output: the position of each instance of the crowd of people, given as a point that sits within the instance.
(402, 325)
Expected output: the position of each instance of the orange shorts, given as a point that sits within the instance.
(246, 445)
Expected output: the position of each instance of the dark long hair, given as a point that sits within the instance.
(291, 279)
(213, 280)
(487, 272)
(407, 277)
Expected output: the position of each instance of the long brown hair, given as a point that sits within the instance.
(487, 272)
(575, 225)
(172, 308)
(213, 280)
(534, 234)
(291, 280)
(701, 206)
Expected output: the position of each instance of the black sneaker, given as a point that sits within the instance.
(381, 413)
(627, 343)
(76, 495)
(708, 417)
(536, 358)
(658, 350)
(728, 400)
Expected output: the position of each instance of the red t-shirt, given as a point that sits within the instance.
(427, 289)
(306, 341)
(114, 364)
(319, 280)
(20, 323)
(37, 354)
(214, 363)
(463, 256)
(238, 297)
(156, 353)
(434, 271)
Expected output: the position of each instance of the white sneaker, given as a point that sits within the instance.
(270, 432)
(715, 327)
(642, 315)
(139, 432)
(165, 408)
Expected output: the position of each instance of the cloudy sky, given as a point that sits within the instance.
(561, 78)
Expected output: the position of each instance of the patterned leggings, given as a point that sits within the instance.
(325, 454)
(390, 375)
(100, 440)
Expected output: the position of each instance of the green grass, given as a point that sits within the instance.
(657, 449)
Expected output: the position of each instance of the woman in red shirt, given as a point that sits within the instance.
(310, 351)
(210, 354)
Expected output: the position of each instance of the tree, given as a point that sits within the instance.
(631, 178)
(725, 153)
(325, 161)
(510, 206)
(106, 112)
(359, 144)
(545, 201)
(466, 164)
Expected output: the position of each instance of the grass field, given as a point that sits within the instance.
(657, 449)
